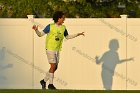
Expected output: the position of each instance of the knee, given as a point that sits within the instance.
(53, 68)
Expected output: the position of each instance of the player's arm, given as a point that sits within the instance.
(67, 36)
(40, 34)
(101, 59)
(125, 60)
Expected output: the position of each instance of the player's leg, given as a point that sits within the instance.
(53, 68)
(52, 59)
(107, 79)
(46, 78)
(51, 75)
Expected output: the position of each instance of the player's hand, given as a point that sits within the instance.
(81, 34)
(35, 27)
(96, 59)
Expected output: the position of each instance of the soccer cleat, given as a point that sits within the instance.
(51, 86)
(43, 84)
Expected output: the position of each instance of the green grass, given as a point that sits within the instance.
(65, 91)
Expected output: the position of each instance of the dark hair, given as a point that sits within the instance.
(57, 15)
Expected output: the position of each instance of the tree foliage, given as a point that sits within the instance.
(72, 8)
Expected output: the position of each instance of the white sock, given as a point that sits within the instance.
(51, 78)
(46, 78)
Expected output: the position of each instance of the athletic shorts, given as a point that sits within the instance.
(53, 56)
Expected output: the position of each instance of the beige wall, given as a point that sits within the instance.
(77, 68)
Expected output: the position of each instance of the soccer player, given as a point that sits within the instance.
(54, 39)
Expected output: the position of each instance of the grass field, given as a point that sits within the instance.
(65, 91)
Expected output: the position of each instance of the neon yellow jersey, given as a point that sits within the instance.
(55, 37)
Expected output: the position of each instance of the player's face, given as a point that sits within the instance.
(61, 20)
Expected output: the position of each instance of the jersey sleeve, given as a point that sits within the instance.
(66, 33)
(47, 29)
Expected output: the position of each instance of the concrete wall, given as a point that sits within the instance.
(23, 60)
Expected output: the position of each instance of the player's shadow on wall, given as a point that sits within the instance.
(3, 64)
(110, 60)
